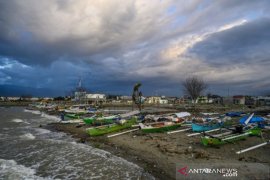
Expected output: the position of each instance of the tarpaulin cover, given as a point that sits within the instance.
(233, 114)
(182, 114)
(254, 119)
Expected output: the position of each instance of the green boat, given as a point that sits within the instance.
(215, 141)
(100, 120)
(98, 131)
(159, 127)
(72, 116)
(88, 120)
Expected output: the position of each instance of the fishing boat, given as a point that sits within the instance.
(159, 127)
(101, 120)
(97, 122)
(200, 127)
(72, 116)
(212, 140)
(234, 114)
(78, 109)
(98, 131)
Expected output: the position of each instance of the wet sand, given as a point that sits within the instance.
(158, 153)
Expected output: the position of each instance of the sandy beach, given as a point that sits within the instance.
(158, 153)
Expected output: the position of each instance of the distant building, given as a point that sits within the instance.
(13, 98)
(227, 100)
(126, 99)
(34, 99)
(163, 100)
(172, 100)
(250, 101)
(157, 100)
(80, 93)
(202, 100)
(95, 98)
(262, 100)
(153, 100)
(239, 99)
(47, 98)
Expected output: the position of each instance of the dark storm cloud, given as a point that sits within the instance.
(113, 44)
(248, 43)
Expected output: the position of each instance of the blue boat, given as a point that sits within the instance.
(254, 119)
(234, 114)
(205, 127)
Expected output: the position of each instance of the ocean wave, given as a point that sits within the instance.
(51, 117)
(42, 131)
(9, 169)
(28, 136)
(32, 111)
(17, 120)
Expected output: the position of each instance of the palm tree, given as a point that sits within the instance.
(137, 95)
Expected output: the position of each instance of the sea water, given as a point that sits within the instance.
(28, 151)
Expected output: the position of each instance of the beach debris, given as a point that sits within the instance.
(251, 119)
(129, 114)
(161, 127)
(181, 130)
(72, 121)
(253, 147)
(208, 139)
(118, 134)
(196, 134)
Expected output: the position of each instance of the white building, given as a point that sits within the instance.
(13, 98)
(157, 100)
(163, 101)
(96, 96)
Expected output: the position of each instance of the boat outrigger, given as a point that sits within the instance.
(159, 127)
(205, 127)
(241, 131)
(212, 140)
(98, 131)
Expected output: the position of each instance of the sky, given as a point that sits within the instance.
(46, 46)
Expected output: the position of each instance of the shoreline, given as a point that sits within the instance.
(158, 153)
(103, 143)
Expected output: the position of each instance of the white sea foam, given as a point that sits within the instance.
(17, 120)
(9, 169)
(27, 136)
(42, 131)
(47, 116)
(32, 111)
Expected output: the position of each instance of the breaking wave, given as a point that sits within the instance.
(32, 111)
(42, 131)
(51, 117)
(9, 169)
(17, 120)
(28, 136)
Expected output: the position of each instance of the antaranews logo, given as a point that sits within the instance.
(183, 171)
(225, 172)
(220, 170)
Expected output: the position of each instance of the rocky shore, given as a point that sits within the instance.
(158, 153)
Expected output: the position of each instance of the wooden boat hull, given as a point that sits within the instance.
(110, 128)
(88, 120)
(97, 122)
(161, 129)
(211, 141)
(201, 128)
(72, 116)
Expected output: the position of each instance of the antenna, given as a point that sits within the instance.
(80, 83)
